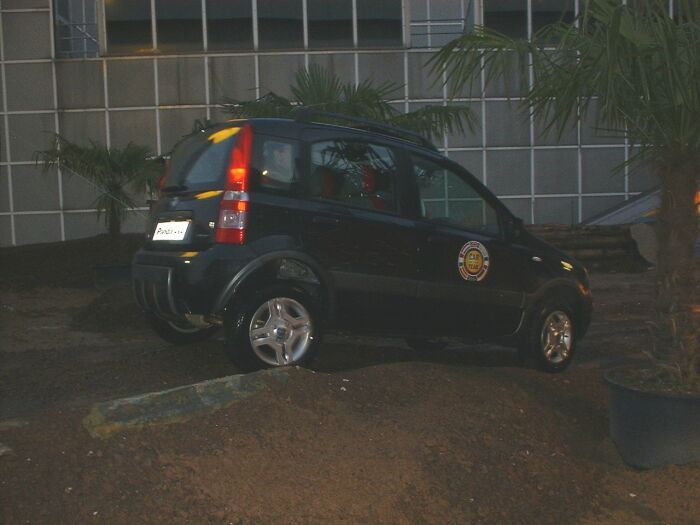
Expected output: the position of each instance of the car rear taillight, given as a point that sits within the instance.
(233, 210)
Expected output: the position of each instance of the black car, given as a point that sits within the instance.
(280, 229)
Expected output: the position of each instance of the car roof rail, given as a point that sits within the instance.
(312, 115)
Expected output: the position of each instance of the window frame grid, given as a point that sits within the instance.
(103, 51)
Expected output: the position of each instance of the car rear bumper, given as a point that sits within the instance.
(171, 284)
(152, 287)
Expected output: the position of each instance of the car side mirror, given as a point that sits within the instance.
(513, 228)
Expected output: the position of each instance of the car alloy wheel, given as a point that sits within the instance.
(281, 331)
(556, 338)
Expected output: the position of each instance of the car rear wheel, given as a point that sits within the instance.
(180, 332)
(276, 327)
(551, 340)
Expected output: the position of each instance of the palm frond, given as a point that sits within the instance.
(641, 66)
(464, 58)
(435, 120)
(269, 105)
(369, 100)
(322, 90)
(91, 162)
(316, 86)
(139, 170)
(115, 173)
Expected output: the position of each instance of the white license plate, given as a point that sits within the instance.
(171, 231)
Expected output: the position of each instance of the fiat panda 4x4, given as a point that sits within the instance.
(279, 230)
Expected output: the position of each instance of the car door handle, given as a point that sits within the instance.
(323, 219)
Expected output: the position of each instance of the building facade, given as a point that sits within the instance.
(114, 71)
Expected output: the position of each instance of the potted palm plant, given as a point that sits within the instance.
(117, 174)
(641, 64)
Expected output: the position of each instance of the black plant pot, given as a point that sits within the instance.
(652, 429)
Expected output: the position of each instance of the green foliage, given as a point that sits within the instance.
(322, 90)
(641, 65)
(117, 174)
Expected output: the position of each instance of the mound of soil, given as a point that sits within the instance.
(68, 264)
(397, 443)
(378, 434)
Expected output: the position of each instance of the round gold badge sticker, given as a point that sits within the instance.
(473, 261)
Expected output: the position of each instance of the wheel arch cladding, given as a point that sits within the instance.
(291, 269)
(568, 294)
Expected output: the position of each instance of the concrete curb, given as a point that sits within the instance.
(181, 403)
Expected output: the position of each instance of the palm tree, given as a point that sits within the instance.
(320, 89)
(643, 68)
(118, 174)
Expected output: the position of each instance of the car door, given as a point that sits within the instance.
(353, 226)
(471, 277)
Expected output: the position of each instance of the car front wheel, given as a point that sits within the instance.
(551, 340)
(276, 327)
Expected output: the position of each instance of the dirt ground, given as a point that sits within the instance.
(378, 434)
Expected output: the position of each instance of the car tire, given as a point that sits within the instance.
(180, 332)
(426, 344)
(551, 340)
(275, 327)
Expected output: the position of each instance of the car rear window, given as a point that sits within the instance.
(200, 161)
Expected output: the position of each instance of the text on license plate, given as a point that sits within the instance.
(171, 231)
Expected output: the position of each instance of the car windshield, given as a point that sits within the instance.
(201, 160)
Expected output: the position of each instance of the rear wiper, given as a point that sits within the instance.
(174, 188)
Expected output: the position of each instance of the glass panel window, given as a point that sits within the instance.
(280, 24)
(545, 12)
(330, 23)
(447, 23)
(448, 198)
(356, 173)
(179, 25)
(128, 26)
(76, 28)
(379, 23)
(507, 16)
(230, 24)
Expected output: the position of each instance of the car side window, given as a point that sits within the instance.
(353, 172)
(275, 162)
(448, 198)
